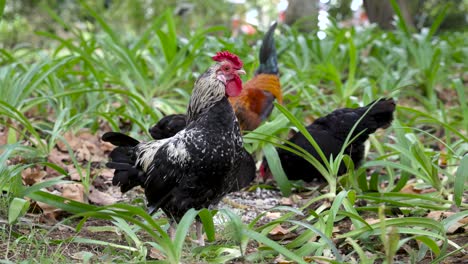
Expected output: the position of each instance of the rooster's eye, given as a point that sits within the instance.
(226, 68)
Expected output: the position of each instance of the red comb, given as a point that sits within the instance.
(226, 55)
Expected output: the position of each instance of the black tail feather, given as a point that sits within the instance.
(268, 57)
(382, 112)
(380, 115)
(122, 155)
(341, 121)
(123, 159)
(119, 139)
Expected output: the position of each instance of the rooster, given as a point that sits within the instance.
(330, 133)
(255, 102)
(201, 163)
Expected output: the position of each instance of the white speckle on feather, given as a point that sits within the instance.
(178, 151)
(147, 151)
(175, 147)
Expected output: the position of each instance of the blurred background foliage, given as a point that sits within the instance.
(22, 18)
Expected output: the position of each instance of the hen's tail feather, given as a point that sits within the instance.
(268, 57)
(123, 159)
(369, 118)
(381, 113)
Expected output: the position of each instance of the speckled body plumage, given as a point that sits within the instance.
(197, 166)
(200, 179)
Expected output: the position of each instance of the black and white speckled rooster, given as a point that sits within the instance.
(200, 164)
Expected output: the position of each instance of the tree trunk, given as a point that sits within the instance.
(303, 13)
(381, 12)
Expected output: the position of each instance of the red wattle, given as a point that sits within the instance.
(234, 87)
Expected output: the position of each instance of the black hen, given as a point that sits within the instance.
(330, 133)
(168, 126)
(197, 166)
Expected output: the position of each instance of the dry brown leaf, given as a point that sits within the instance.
(280, 260)
(57, 157)
(336, 229)
(73, 191)
(71, 140)
(156, 254)
(455, 226)
(106, 146)
(73, 173)
(87, 147)
(411, 189)
(32, 176)
(80, 255)
(96, 153)
(273, 215)
(83, 153)
(49, 212)
(107, 173)
(280, 233)
(295, 198)
(86, 135)
(286, 201)
(441, 215)
(100, 198)
(278, 230)
(3, 135)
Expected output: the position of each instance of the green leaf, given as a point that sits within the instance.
(102, 243)
(405, 225)
(391, 243)
(331, 215)
(274, 163)
(429, 243)
(437, 21)
(11, 137)
(18, 208)
(2, 8)
(401, 20)
(274, 245)
(208, 225)
(323, 237)
(461, 177)
(364, 258)
(362, 180)
(374, 182)
(182, 230)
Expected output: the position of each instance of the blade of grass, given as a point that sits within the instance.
(461, 178)
(274, 164)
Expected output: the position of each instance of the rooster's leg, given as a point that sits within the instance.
(199, 230)
(171, 231)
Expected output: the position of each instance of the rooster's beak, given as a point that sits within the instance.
(241, 71)
(221, 77)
